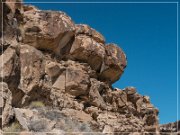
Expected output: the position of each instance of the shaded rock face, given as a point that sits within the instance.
(57, 77)
(11, 10)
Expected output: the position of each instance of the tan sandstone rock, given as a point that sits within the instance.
(83, 29)
(114, 63)
(94, 94)
(12, 17)
(77, 81)
(88, 50)
(130, 90)
(32, 68)
(70, 91)
(47, 30)
(6, 104)
(9, 63)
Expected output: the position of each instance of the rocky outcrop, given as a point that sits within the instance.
(57, 76)
(31, 60)
(114, 63)
(86, 49)
(12, 18)
(170, 128)
(83, 29)
(47, 30)
(74, 90)
(5, 104)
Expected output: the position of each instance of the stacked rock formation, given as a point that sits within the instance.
(56, 76)
(170, 128)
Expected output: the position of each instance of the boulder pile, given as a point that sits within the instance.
(56, 76)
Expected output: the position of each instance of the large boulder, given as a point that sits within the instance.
(9, 64)
(70, 77)
(52, 69)
(114, 64)
(14, 5)
(77, 80)
(47, 30)
(12, 14)
(44, 119)
(83, 29)
(94, 94)
(32, 68)
(88, 50)
(6, 103)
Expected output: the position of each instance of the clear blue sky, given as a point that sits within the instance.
(148, 35)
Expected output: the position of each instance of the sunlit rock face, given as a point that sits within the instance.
(47, 30)
(57, 76)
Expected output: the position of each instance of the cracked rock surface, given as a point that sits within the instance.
(56, 76)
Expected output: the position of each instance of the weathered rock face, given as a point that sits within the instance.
(12, 17)
(88, 50)
(32, 68)
(114, 63)
(5, 104)
(83, 29)
(9, 60)
(57, 76)
(47, 30)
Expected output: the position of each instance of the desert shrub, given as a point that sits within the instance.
(37, 104)
(14, 127)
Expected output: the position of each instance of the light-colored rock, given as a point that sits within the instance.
(47, 30)
(108, 130)
(32, 68)
(80, 115)
(114, 63)
(83, 29)
(130, 90)
(60, 83)
(14, 4)
(12, 18)
(119, 98)
(52, 69)
(70, 91)
(19, 116)
(77, 81)
(9, 63)
(88, 50)
(6, 103)
(94, 96)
